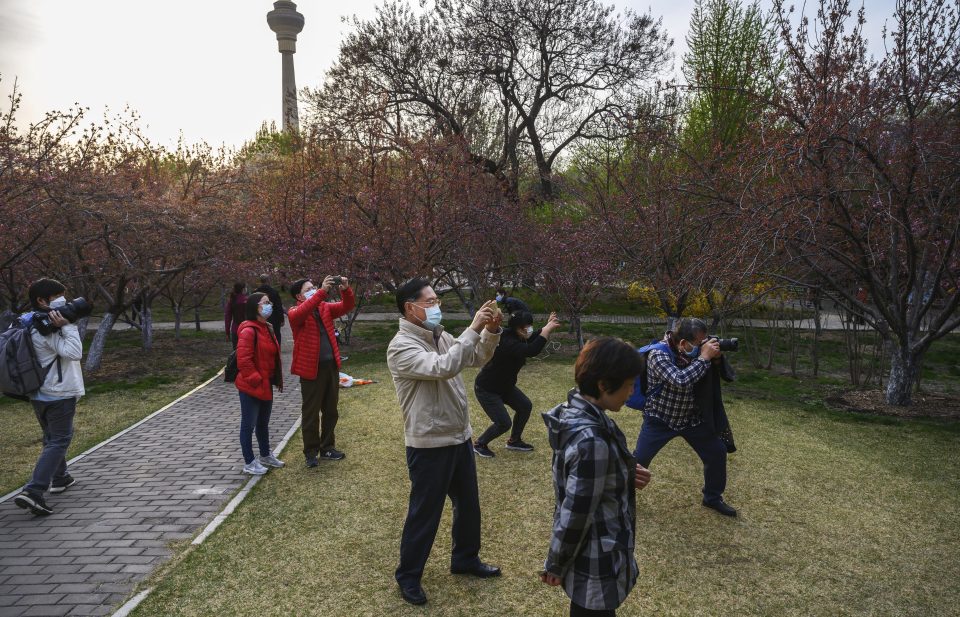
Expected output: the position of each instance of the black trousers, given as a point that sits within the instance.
(494, 405)
(435, 474)
(578, 611)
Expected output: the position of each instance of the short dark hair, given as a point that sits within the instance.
(410, 291)
(238, 288)
(688, 327)
(608, 361)
(264, 279)
(519, 319)
(296, 286)
(251, 307)
(43, 289)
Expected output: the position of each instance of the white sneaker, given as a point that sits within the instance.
(255, 468)
(271, 461)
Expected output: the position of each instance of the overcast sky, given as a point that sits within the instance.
(208, 68)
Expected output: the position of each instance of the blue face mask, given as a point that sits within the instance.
(499, 298)
(693, 353)
(433, 317)
(266, 310)
(309, 294)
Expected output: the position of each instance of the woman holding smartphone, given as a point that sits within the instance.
(595, 479)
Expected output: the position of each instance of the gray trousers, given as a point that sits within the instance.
(56, 422)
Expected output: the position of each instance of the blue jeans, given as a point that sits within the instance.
(56, 422)
(435, 474)
(655, 434)
(254, 413)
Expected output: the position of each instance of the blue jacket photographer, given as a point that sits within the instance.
(671, 409)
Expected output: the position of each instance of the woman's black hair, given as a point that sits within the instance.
(251, 307)
(410, 292)
(520, 319)
(296, 286)
(608, 361)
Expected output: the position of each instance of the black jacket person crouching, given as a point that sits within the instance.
(496, 384)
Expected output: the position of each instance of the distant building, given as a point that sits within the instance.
(287, 23)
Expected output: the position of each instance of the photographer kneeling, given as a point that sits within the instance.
(58, 346)
(670, 409)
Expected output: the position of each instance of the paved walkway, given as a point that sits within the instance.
(159, 482)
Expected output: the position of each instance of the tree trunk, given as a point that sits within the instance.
(177, 316)
(672, 321)
(82, 327)
(817, 329)
(196, 316)
(577, 327)
(347, 333)
(465, 300)
(146, 334)
(95, 354)
(904, 368)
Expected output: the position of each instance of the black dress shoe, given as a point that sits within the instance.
(722, 507)
(413, 594)
(481, 570)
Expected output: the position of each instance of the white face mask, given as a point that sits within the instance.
(529, 331)
(58, 302)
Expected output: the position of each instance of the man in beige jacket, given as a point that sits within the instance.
(425, 363)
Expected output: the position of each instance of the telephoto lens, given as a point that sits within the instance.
(78, 308)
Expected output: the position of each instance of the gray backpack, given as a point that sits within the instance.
(21, 374)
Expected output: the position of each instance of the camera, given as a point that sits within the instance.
(727, 344)
(77, 308)
(337, 280)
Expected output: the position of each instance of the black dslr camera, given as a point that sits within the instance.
(77, 308)
(726, 344)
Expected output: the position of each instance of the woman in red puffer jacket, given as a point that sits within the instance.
(259, 369)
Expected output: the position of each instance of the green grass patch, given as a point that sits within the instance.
(839, 516)
(131, 385)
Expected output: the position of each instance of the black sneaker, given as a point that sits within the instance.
(332, 455)
(34, 503)
(312, 461)
(58, 486)
(519, 446)
(722, 507)
(482, 450)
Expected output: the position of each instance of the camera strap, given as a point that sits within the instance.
(59, 369)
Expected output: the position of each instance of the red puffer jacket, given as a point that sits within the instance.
(306, 334)
(258, 358)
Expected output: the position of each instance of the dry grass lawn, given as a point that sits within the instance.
(840, 516)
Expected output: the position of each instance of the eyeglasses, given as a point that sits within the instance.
(431, 302)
